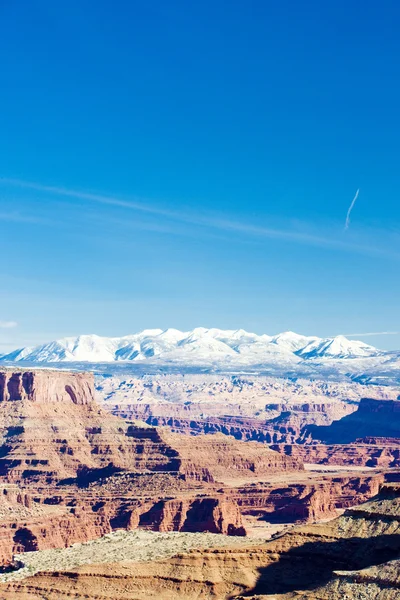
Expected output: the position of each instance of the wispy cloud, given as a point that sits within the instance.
(16, 217)
(8, 324)
(371, 334)
(211, 221)
(347, 223)
(98, 198)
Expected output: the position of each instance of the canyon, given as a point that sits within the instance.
(355, 556)
(83, 457)
(314, 421)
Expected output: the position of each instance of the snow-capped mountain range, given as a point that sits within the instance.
(199, 346)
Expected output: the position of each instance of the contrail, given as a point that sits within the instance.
(373, 333)
(346, 226)
(209, 220)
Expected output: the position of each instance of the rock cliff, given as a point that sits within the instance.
(70, 472)
(279, 425)
(52, 429)
(369, 452)
(91, 472)
(374, 418)
(355, 556)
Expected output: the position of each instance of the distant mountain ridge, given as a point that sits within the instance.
(194, 347)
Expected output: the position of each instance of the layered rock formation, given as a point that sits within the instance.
(52, 429)
(61, 451)
(47, 386)
(224, 456)
(71, 472)
(277, 422)
(310, 500)
(374, 418)
(355, 556)
(194, 395)
(369, 452)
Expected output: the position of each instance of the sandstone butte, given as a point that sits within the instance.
(71, 472)
(353, 557)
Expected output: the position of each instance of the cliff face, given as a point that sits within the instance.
(307, 501)
(355, 556)
(45, 442)
(281, 423)
(52, 429)
(374, 418)
(215, 515)
(369, 452)
(47, 386)
(61, 450)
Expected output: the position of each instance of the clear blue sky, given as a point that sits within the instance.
(203, 156)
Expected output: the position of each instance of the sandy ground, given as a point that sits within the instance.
(120, 546)
(337, 468)
(312, 472)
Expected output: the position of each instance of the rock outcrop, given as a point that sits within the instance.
(52, 429)
(215, 515)
(61, 451)
(279, 425)
(374, 418)
(355, 556)
(71, 472)
(318, 498)
(369, 452)
(47, 386)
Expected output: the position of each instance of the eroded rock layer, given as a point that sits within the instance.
(369, 452)
(51, 428)
(355, 556)
(374, 418)
(279, 425)
(72, 472)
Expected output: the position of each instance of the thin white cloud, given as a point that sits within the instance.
(211, 221)
(18, 218)
(98, 198)
(371, 334)
(8, 324)
(347, 224)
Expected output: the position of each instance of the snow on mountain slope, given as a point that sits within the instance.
(292, 341)
(201, 345)
(338, 347)
(148, 343)
(91, 348)
(201, 342)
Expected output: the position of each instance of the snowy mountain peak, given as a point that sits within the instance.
(292, 341)
(199, 346)
(338, 347)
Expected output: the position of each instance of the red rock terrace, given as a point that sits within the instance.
(70, 472)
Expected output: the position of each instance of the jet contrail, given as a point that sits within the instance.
(346, 226)
(373, 333)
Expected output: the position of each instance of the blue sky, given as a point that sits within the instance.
(174, 164)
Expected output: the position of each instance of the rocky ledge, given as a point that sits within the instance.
(355, 556)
